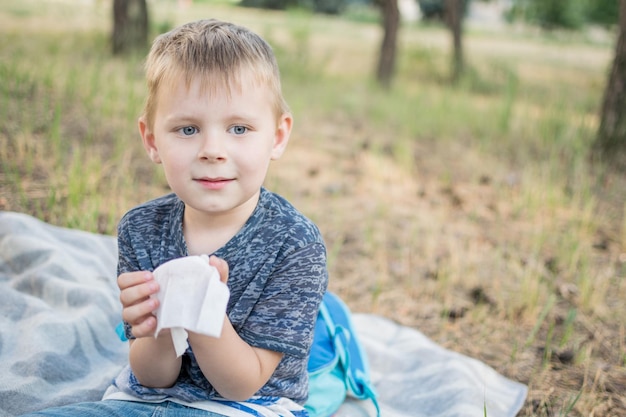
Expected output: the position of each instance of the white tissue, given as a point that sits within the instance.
(191, 297)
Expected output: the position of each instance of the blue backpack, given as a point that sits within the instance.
(338, 365)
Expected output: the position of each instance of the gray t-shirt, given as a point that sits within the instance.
(277, 279)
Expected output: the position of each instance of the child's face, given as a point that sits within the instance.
(216, 148)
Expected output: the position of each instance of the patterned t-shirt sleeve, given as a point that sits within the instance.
(126, 261)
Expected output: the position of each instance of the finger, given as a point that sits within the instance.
(130, 279)
(221, 266)
(138, 293)
(137, 313)
(145, 328)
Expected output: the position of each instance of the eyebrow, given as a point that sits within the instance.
(180, 118)
(191, 118)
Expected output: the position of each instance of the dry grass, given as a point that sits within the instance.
(469, 213)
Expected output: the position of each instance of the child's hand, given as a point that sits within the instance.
(221, 266)
(137, 306)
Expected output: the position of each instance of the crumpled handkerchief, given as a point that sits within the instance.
(191, 297)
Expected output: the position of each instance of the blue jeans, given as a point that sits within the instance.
(115, 408)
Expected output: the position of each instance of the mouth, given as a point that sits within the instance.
(213, 183)
(212, 179)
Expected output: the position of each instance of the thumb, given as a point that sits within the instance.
(221, 266)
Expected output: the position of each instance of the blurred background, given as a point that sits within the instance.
(464, 159)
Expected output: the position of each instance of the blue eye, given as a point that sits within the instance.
(188, 130)
(238, 130)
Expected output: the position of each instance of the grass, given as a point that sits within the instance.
(471, 212)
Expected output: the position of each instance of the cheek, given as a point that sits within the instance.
(176, 156)
(257, 160)
(174, 166)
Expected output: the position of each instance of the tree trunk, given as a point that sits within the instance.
(387, 58)
(453, 16)
(130, 25)
(611, 140)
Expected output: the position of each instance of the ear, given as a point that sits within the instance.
(147, 137)
(281, 137)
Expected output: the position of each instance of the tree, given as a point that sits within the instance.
(388, 49)
(603, 12)
(130, 25)
(611, 139)
(453, 16)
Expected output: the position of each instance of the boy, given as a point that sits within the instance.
(214, 119)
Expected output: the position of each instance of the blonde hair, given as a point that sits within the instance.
(220, 54)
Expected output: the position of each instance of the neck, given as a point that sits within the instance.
(205, 233)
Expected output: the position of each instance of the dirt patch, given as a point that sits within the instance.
(444, 248)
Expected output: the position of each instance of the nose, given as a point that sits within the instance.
(212, 148)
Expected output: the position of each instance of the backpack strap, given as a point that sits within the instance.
(349, 350)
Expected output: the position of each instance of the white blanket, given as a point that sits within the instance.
(59, 307)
